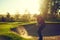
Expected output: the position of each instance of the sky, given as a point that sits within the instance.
(12, 6)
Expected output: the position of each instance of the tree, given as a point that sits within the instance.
(17, 16)
(0, 17)
(8, 17)
(12, 19)
(44, 8)
(25, 18)
(33, 18)
(3, 19)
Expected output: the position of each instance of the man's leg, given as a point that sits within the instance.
(40, 37)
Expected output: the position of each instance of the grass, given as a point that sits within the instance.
(13, 36)
(5, 30)
(6, 27)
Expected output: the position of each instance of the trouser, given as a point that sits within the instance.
(40, 36)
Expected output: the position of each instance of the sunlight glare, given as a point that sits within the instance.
(33, 6)
(59, 10)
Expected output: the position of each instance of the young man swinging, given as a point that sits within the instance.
(41, 25)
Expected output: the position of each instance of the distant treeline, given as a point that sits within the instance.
(25, 18)
(17, 18)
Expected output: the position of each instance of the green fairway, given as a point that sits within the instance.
(5, 27)
(5, 30)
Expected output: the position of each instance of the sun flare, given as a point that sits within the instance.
(21, 5)
(31, 5)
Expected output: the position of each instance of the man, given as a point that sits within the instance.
(41, 25)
